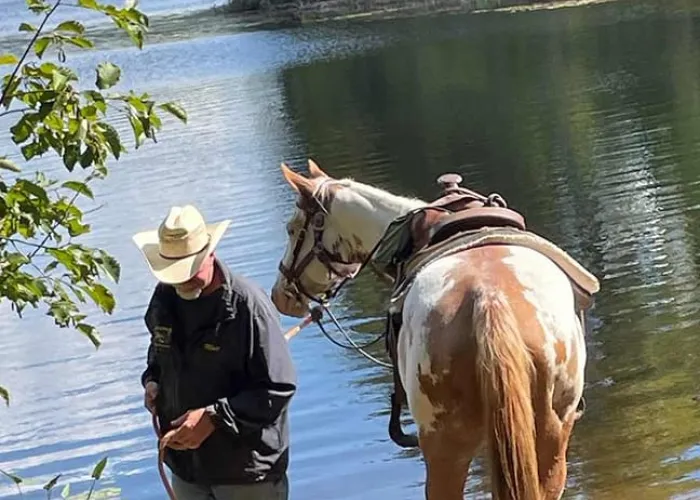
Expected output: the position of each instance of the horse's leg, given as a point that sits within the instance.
(559, 393)
(436, 365)
(448, 456)
(552, 444)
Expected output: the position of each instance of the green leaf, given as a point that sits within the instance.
(54, 122)
(10, 89)
(108, 75)
(30, 28)
(49, 486)
(8, 59)
(89, 111)
(88, 4)
(58, 81)
(79, 187)
(71, 26)
(38, 6)
(175, 110)
(50, 266)
(6, 164)
(88, 157)
(41, 45)
(23, 128)
(139, 133)
(76, 228)
(36, 148)
(91, 333)
(34, 189)
(100, 296)
(70, 156)
(113, 140)
(99, 468)
(4, 394)
(12, 477)
(81, 42)
(66, 491)
(48, 69)
(111, 266)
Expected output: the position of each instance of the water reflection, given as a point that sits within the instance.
(574, 128)
(586, 126)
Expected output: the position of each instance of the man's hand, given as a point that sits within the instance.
(149, 398)
(190, 431)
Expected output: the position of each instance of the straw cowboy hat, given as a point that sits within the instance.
(175, 251)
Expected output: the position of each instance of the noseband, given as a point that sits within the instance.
(315, 213)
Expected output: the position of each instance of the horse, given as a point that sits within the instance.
(490, 351)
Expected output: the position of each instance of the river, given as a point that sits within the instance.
(586, 120)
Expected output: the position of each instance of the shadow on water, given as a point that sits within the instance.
(585, 120)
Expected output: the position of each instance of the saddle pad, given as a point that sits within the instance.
(460, 242)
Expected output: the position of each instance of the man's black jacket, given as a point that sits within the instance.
(235, 361)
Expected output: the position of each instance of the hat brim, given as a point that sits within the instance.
(174, 271)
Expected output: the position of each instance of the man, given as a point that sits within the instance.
(219, 374)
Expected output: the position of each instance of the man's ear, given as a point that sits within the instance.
(299, 183)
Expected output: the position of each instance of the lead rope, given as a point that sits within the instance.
(161, 452)
(314, 315)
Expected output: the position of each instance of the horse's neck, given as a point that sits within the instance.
(365, 212)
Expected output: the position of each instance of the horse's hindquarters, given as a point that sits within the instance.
(438, 351)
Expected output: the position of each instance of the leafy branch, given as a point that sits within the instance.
(42, 262)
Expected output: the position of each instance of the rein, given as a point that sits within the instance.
(161, 452)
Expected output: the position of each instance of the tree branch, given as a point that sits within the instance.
(26, 51)
(13, 111)
(14, 242)
(53, 228)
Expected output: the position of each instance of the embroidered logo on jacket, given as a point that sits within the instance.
(161, 336)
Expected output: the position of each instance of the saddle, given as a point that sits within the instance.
(458, 220)
(457, 210)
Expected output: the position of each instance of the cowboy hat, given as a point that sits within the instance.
(175, 251)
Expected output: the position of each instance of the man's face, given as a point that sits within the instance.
(192, 289)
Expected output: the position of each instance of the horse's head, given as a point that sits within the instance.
(323, 249)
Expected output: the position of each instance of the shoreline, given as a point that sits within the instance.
(299, 13)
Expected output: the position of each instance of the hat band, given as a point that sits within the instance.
(206, 244)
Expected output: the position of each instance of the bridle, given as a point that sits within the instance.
(316, 213)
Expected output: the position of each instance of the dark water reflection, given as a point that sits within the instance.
(586, 120)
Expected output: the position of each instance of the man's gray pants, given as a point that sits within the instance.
(258, 491)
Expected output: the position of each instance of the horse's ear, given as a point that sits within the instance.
(315, 170)
(299, 183)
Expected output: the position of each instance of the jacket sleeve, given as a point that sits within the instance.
(152, 371)
(271, 376)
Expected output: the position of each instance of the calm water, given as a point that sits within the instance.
(586, 120)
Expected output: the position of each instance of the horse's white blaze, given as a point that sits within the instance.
(548, 289)
(428, 289)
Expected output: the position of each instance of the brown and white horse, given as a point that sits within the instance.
(491, 350)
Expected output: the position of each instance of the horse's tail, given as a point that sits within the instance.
(505, 370)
